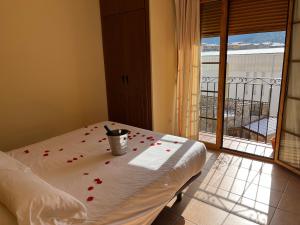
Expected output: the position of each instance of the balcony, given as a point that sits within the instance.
(250, 113)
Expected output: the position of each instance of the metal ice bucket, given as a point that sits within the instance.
(118, 141)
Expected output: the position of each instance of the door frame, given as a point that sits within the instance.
(222, 82)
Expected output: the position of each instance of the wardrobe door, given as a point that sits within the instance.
(136, 68)
(115, 78)
(131, 5)
(110, 7)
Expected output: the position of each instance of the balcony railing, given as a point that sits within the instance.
(250, 108)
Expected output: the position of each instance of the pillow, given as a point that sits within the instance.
(34, 201)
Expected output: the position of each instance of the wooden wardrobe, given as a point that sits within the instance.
(125, 31)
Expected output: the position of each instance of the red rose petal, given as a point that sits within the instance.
(134, 135)
(98, 181)
(103, 139)
(137, 132)
(142, 142)
(81, 156)
(112, 123)
(158, 143)
(90, 188)
(107, 149)
(135, 149)
(26, 151)
(60, 149)
(143, 135)
(168, 150)
(85, 174)
(152, 144)
(46, 154)
(91, 129)
(83, 141)
(69, 161)
(47, 151)
(74, 158)
(87, 133)
(95, 127)
(107, 162)
(90, 198)
(175, 142)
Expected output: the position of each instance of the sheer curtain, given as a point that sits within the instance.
(188, 76)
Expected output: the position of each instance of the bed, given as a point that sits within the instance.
(129, 189)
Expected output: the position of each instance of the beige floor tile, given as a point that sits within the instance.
(245, 174)
(285, 218)
(290, 203)
(211, 176)
(213, 196)
(220, 162)
(236, 191)
(275, 170)
(254, 211)
(166, 218)
(232, 185)
(293, 185)
(199, 212)
(212, 154)
(236, 220)
(263, 195)
(273, 182)
(249, 164)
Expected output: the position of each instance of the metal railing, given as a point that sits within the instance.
(250, 108)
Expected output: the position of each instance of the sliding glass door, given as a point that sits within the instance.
(243, 46)
(252, 91)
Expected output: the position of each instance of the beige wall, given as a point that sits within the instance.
(163, 59)
(51, 69)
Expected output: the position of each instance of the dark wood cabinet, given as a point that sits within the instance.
(112, 7)
(125, 33)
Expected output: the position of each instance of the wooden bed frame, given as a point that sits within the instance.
(179, 192)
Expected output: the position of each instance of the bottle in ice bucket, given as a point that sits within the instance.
(117, 140)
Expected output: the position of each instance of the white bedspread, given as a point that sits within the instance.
(129, 189)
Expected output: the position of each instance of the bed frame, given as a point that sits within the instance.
(179, 192)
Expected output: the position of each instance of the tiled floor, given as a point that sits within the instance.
(236, 191)
(239, 144)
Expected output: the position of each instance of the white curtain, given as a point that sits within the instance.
(188, 76)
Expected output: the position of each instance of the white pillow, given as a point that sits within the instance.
(32, 200)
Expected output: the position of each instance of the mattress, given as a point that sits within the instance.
(128, 189)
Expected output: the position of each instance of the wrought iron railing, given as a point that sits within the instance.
(250, 109)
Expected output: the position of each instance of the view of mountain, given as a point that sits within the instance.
(256, 38)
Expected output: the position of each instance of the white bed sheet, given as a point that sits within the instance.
(130, 189)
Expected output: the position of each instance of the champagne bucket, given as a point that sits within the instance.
(118, 140)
